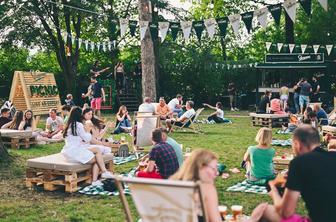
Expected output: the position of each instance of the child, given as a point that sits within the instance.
(69, 100)
(218, 116)
(259, 159)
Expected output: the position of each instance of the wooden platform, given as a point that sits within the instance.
(281, 163)
(58, 175)
(269, 120)
(17, 138)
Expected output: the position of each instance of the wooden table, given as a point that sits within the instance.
(17, 138)
(281, 163)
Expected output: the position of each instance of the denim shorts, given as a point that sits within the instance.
(303, 100)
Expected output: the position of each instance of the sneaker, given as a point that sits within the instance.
(107, 175)
(232, 109)
(97, 183)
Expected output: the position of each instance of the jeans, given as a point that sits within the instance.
(217, 119)
(178, 111)
(296, 102)
(124, 123)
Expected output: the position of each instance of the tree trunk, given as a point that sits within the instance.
(289, 29)
(3, 151)
(147, 55)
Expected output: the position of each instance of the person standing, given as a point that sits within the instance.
(284, 95)
(305, 91)
(297, 90)
(95, 71)
(232, 96)
(315, 90)
(119, 76)
(98, 95)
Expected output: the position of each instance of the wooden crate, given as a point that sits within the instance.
(19, 142)
(280, 163)
(54, 179)
(268, 120)
(329, 129)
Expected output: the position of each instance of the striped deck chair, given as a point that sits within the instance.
(191, 124)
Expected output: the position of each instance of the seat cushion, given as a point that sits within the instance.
(16, 133)
(59, 162)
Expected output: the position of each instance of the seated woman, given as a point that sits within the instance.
(15, 123)
(217, 116)
(94, 125)
(123, 124)
(276, 107)
(201, 165)
(258, 160)
(77, 146)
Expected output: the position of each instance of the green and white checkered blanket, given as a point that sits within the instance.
(99, 190)
(121, 160)
(247, 188)
(282, 142)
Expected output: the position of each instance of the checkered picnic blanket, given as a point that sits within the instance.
(282, 142)
(247, 188)
(121, 160)
(99, 190)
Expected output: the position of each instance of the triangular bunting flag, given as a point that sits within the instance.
(92, 46)
(324, 4)
(247, 18)
(291, 47)
(143, 28)
(268, 46)
(72, 39)
(261, 15)
(104, 47)
(132, 25)
(279, 45)
(163, 29)
(275, 10)
(98, 46)
(290, 7)
(153, 28)
(316, 48)
(123, 26)
(329, 48)
(114, 43)
(199, 27)
(175, 28)
(307, 6)
(186, 29)
(109, 46)
(65, 36)
(79, 43)
(235, 22)
(86, 44)
(222, 25)
(303, 48)
(210, 25)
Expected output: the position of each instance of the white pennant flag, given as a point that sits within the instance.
(235, 22)
(329, 48)
(291, 47)
(279, 46)
(303, 48)
(143, 28)
(261, 15)
(92, 46)
(268, 46)
(114, 43)
(290, 7)
(210, 25)
(316, 48)
(324, 4)
(123, 26)
(163, 29)
(104, 47)
(86, 44)
(186, 29)
(72, 40)
(65, 36)
(109, 46)
(79, 42)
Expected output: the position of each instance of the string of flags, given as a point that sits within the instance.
(161, 29)
(233, 66)
(303, 47)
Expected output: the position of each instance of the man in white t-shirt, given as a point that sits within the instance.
(185, 117)
(147, 106)
(175, 105)
(54, 126)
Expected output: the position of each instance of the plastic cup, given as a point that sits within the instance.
(223, 211)
(236, 210)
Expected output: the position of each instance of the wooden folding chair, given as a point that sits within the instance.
(162, 200)
(144, 124)
(190, 124)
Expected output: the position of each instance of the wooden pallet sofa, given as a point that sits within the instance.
(55, 172)
(17, 138)
(269, 120)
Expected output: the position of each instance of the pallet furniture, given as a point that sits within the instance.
(281, 163)
(269, 120)
(17, 138)
(54, 172)
(121, 149)
(329, 129)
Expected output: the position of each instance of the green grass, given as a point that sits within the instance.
(20, 204)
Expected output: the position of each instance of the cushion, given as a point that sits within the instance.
(16, 133)
(270, 116)
(59, 162)
(329, 128)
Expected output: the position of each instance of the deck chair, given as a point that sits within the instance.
(162, 200)
(145, 123)
(190, 124)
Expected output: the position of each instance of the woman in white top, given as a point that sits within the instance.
(77, 146)
(218, 116)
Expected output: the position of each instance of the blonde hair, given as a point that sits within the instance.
(264, 136)
(332, 145)
(189, 171)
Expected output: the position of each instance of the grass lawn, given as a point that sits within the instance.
(20, 204)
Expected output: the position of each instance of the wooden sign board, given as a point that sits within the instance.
(36, 91)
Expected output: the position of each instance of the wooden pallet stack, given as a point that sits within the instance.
(268, 120)
(17, 138)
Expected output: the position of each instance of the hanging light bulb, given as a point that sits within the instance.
(328, 34)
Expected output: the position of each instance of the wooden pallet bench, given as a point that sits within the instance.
(17, 138)
(269, 120)
(55, 172)
(281, 163)
(329, 129)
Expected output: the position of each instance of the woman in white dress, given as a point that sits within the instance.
(77, 146)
